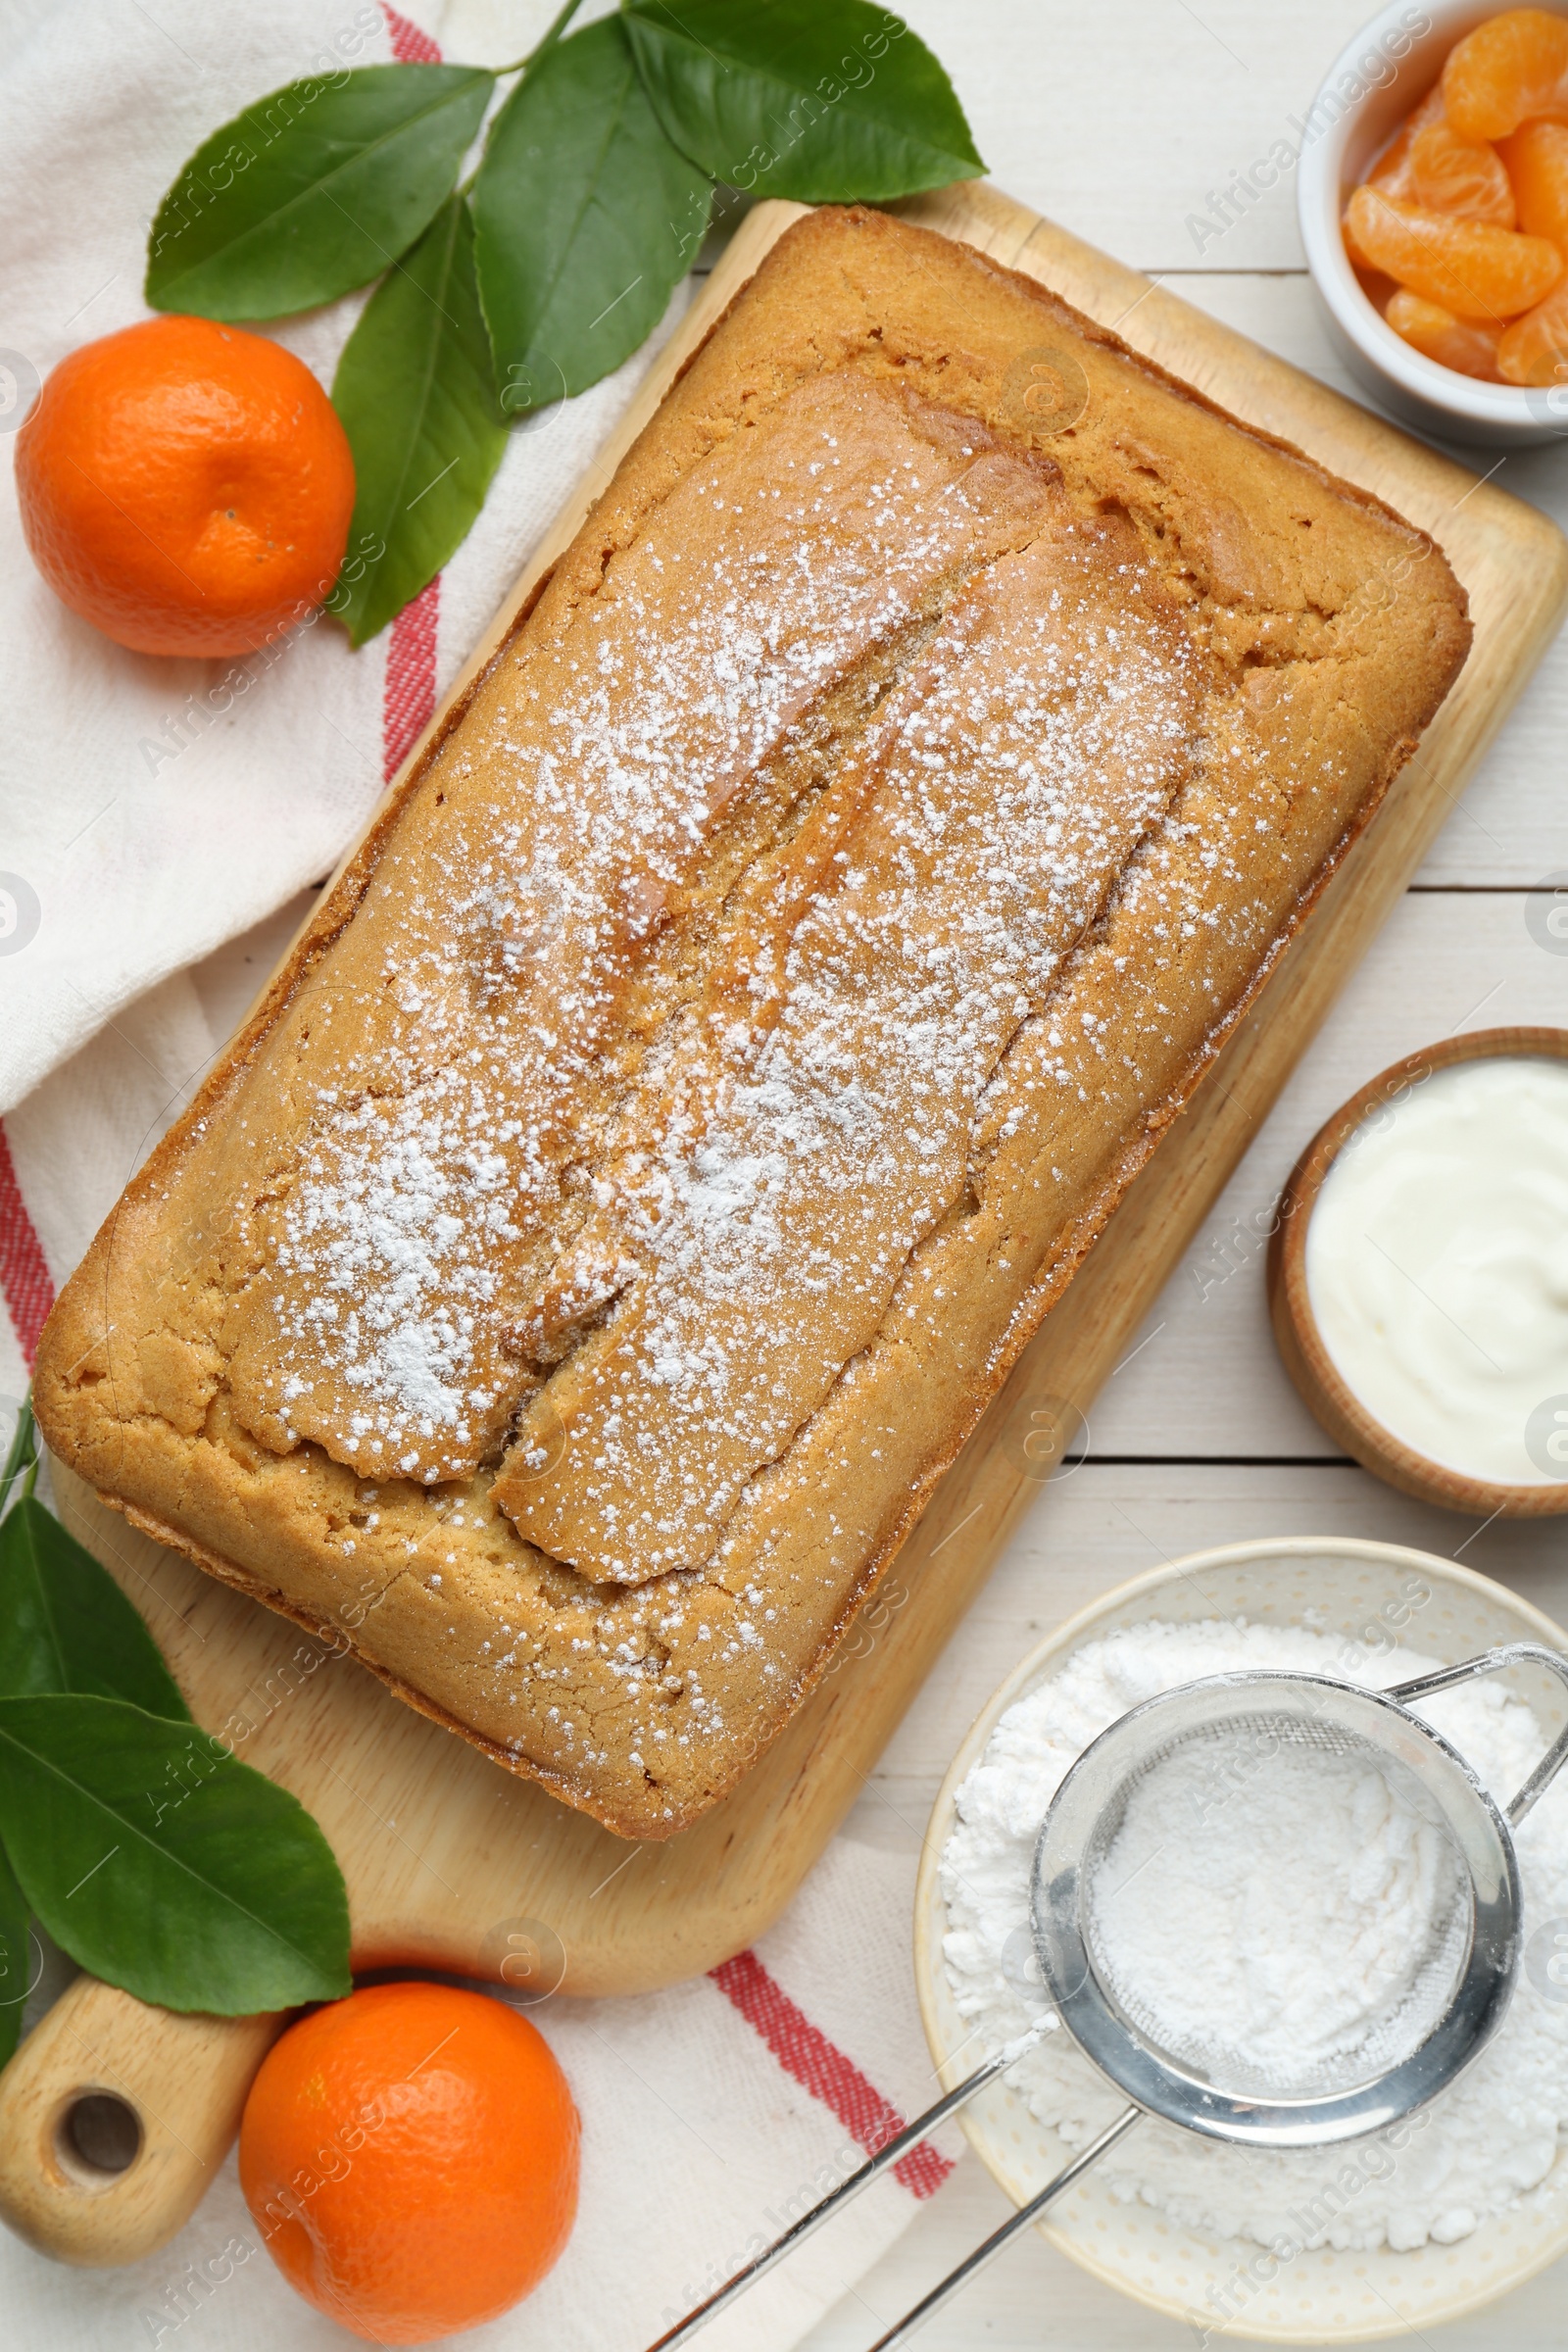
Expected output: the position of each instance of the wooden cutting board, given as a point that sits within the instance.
(452, 1863)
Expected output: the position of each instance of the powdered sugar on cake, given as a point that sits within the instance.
(625, 742)
(785, 845)
(396, 1250)
(819, 1117)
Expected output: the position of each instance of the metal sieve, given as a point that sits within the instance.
(1462, 1981)
(1408, 2052)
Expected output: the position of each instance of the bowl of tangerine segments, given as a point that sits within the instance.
(1433, 190)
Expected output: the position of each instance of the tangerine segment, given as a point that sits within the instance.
(1392, 170)
(1507, 72)
(1466, 266)
(409, 2156)
(1428, 164)
(1537, 157)
(1469, 346)
(1451, 175)
(1535, 349)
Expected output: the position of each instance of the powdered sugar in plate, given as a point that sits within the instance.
(1359, 1916)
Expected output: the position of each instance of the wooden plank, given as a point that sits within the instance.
(1006, 2309)
(447, 1857)
(1120, 119)
(1092, 1529)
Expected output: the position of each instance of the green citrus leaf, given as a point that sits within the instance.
(64, 1624)
(16, 1958)
(312, 190)
(584, 218)
(417, 394)
(823, 100)
(22, 1454)
(164, 1865)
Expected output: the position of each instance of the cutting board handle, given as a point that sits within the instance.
(102, 2079)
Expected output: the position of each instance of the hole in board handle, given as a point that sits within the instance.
(97, 2138)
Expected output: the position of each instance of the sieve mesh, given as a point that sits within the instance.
(1230, 1755)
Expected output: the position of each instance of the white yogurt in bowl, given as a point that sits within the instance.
(1437, 1267)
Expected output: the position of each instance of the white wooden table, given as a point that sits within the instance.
(1117, 120)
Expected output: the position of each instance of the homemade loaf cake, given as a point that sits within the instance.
(723, 1053)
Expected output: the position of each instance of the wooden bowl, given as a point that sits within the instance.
(1327, 1394)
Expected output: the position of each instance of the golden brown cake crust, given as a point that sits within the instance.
(724, 1051)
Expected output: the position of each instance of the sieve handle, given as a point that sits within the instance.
(847, 2190)
(990, 2247)
(1494, 1661)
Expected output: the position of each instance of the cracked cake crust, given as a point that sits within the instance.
(722, 1051)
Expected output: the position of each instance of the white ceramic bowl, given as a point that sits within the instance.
(1394, 63)
(1370, 1592)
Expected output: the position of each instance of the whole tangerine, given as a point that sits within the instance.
(186, 487)
(409, 2156)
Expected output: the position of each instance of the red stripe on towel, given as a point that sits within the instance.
(410, 46)
(25, 1278)
(804, 2051)
(410, 695)
(410, 677)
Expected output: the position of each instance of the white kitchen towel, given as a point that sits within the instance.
(152, 809)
